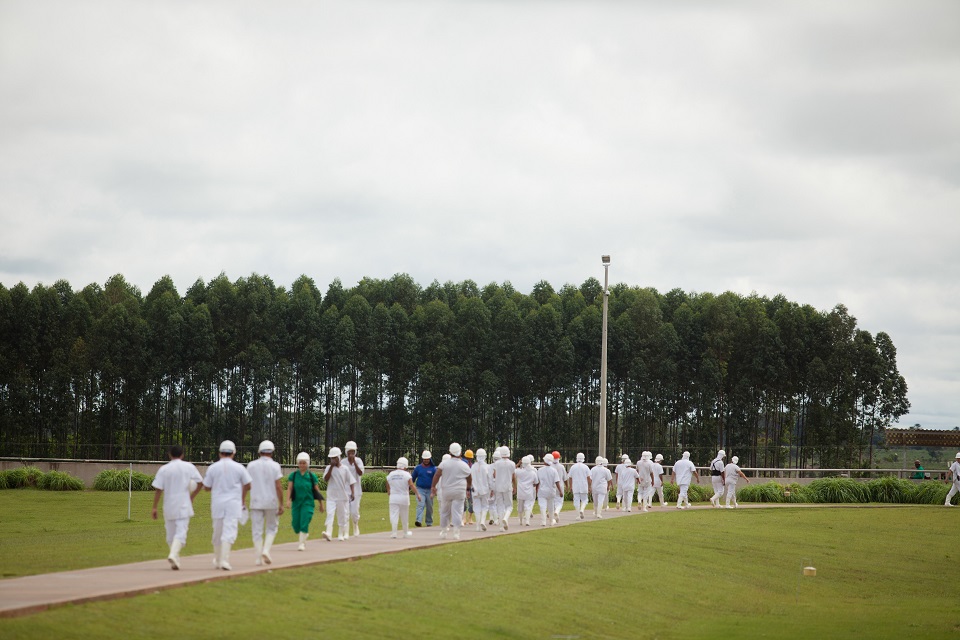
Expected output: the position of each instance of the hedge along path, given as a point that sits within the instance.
(31, 594)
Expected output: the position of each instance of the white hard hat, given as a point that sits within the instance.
(266, 447)
(402, 463)
(605, 462)
(426, 455)
(227, 446)
(581, 457)
(350, 446)
(496, 453)
(446, 456)
(548, 458)
(721, 454)
(303, 455)
(646, 455)
(624, 456)
(958, 455)
(627, 461)
(335, 452)
(504, 452)
(481, 454)
(686, 455)
(455, 449)
(659, 457)
(599, 460)
(734, 459)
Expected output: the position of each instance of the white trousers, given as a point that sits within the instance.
(399, 513)
(645, 494)
(731, 492)
(547, 508)
(955, 489)
(481, 504)
(263, 521)
(525, 509)
(599, 499)
(659, 491)
(451, 509)
(627, 493)
(355, 508)
(340, 509)
(717, 487)
(580, 501)
(225, 530)
(558, 504)
(177, 530)
(504, 504)
(683, 495)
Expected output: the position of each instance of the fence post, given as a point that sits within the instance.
(130, 491)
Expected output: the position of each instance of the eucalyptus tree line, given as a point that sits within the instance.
(106, 372)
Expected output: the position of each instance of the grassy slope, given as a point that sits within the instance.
(711, 574)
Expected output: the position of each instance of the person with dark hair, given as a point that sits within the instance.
(423, 477)
(918, 474)
(179, 483)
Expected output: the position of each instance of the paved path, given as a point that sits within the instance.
(20, 596)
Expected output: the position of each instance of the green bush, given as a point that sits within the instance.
(119, 480)
(891, 490)
(838, 491)
(3, 480)
(766, 492)
(797, 493)
(932, 492)
(22, 477)
(374, 481)
(60, 481)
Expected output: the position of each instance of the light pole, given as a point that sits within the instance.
(603, 362)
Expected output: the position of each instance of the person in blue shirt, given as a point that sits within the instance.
(423, 477)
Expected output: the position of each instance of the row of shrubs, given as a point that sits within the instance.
(23, 477)
(847, 491)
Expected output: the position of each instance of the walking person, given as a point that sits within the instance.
(300, 487)
(452, 481)
(480, 489)
(616, 473)
(562, 474)
(716, 477)
(504, 486)
(399, 487)
(340, 493)
(645, 472)
(355, 466)
(627, 483)
(579, 479)
(494, 507)
(683, 472)
(954, 476)
(731, 474)
(266, 501)
(658, 479)
(468, 504)
(600, 478)
(174, 481)
(547, 490)
(527, 481)
(228, 483)
(423, 477)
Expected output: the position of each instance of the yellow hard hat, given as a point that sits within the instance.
(468, 453)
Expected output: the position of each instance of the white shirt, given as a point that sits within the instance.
(226, 478)
(454, 478)
(644, 470)
(628, 478)
(548, 478)
(399, 480)
(503, 470)
(339, 483)
(955, 468)
(601, 478)
(174, 479)
(561, 474)
(716, 465)
(263, 489)
(358, 486)
(578, 476)
(657, 474)
(527, 479)
(683, 469)
(481, 478)
(731, 473)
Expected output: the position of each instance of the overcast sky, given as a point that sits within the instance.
(804, 148)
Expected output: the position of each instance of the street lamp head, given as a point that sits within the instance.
(605, 259)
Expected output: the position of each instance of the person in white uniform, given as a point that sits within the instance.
(399, 486)
(716, 477)
(341, 487)
(228, 483)
(616, 473)
(658, 479)
(562, 474)
(355, 466)
(179, 483)
(731, 474)
(600, 478)
(480, 475)
(645, 472)
(627, 482)
(504, 486)
(527, 481)
(266, 501)
(547, 489)
(450, 484)
(579, 480)
(954, 472)
(495, 515)
(683, 472)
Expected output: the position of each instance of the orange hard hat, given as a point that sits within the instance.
(556, 455)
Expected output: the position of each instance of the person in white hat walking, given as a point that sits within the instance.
(399, 486)
(228, 483)
(480, 475)
(355, 466)
(955, 478)
(562, 474)
(527, 481)
(453, 481)
(547, 490)
(683, 472)
(645, 472)
(301, 484)
(579, 479)
(731, 474)
(716, 477)
(616, 474)
(600, 479)
(504, 486)
(494, 507)
(658, 480)
(173, 481)
(266, 501)
(340, 493)
(627, 483)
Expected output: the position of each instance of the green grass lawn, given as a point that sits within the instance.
(881, 572)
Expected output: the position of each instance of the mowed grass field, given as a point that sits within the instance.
(882, 572)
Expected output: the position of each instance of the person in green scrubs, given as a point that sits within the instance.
(300, 486)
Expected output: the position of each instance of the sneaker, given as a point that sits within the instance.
(302, 547)
(341, 538)
(326, 535)
(226, 566)
(456, 534)
(258, 561)
(394, 535)
(482, 526)
(174, 562)
(417, 524)
(356, 529)
(443, 534)
(506, 526)
(409, 534)
(730, 506)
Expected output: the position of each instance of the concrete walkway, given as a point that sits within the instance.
(21, 596)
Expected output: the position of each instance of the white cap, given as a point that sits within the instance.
(686, 455)
(958, 455)
(481, 454)
(402, 463)
(624, 456)
(227, 446)
(659, 457)
(734, 459)
(548, 458)
(605, 462)
(446, 456)
(599, 460)
(526, 461)
(426, 455)
(303, 455)
(504, 452)
(266, 447)
(335, 452)
(455, 449)
(721, 454)
(496, 453)
(646, 455)
(627, 461)
(350, 446)
(581, 457)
